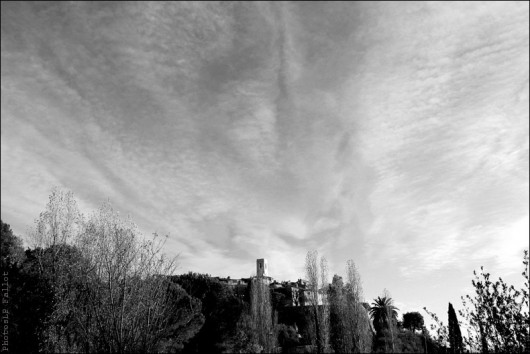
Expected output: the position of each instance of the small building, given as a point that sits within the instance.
(262, 268)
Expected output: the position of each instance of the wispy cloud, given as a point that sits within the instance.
(394, 134)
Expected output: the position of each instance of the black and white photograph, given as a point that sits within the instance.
(265, 176)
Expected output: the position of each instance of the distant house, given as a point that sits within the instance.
(293, 292)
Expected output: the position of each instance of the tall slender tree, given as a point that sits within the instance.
(317, 279)
(358, 317)
(324, 313)
(261, 314)
(455, 336)
(340, 341)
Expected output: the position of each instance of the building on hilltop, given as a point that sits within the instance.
(290, 294)
(262, 268)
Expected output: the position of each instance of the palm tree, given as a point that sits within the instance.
(383, 308)
(382, 311)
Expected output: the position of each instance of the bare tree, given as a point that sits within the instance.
(324, 313)
(58, 263)
(357, 315)
(57, 225)
(317, 280)
(113, 292)
(132, 305)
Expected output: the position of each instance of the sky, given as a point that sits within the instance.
(394, 134)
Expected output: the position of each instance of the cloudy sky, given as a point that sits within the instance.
(394, 134)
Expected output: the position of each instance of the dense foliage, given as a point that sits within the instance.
(288, 336)
(10, 247)
(350, 329)
(221, 309)
(413, 321)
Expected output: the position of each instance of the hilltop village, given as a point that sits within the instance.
(284, 294)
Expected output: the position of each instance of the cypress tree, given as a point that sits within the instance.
(455, 336)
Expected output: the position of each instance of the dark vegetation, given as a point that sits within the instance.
(92, 285)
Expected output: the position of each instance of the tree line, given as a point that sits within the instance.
(94, 283)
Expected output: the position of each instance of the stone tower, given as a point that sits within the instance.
(262, 269)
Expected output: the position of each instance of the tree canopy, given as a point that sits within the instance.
(413, 321)
(10, 246)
